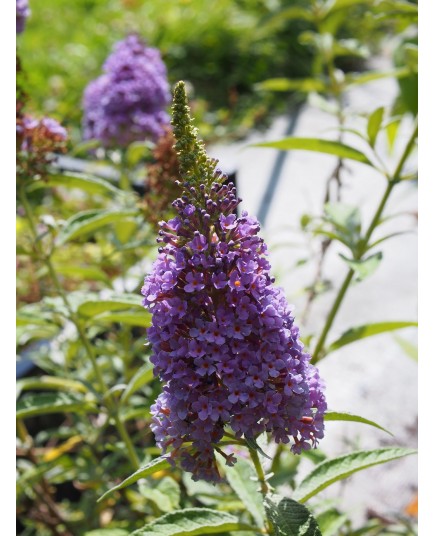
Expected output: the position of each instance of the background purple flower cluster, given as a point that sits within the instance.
(23, 12)
(127, 103)
(223, 338)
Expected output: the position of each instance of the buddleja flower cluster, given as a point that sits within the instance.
(223, 338)
(127, 103)
(23, 12)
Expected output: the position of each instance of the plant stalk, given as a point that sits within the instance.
(392, 181)
(111, 405)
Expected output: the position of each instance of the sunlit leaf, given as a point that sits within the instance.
(365, 267)
(367, 330)
(115, 302)
(86, 183)
(330, 471)
(409, 348)
(319, 146)
(84, 223)
(42, 383)
(192, 522)
(304, 85)
(349, 417)
(374, 125)
(42, 404)
(158, 464)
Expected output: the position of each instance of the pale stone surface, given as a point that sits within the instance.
(372, 378)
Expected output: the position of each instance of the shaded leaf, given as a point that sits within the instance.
(319, 146)
(159, 464)
(290, 518)
(330, 471)
(191, 522)
(365, 267)
(331, 521)
(339, 416)
(165, 494)
(143, 376)
(367, 330)
(252, 444)
(50, 383)
(82, 272)
(42, 404)
(241, 478)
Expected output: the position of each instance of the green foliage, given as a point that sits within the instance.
(290, 518)
(332, 470)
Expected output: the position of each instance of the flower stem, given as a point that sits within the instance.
(261, 478)
(111, 405)
(392, 181)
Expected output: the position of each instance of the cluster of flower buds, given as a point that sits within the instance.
(23, 12)
(127, 103)
(223, 338)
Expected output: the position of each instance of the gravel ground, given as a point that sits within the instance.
(374, 377)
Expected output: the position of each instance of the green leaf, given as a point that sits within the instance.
(42, 404)
(391, 129)
(159, 464)
(374, 124)
(330, 471)
(192, 522)
(339, 416)
(409, 348)
(137, 151)
(331, 521)
(371, 76)
(290, 518)
(89, 221)
(241, 478)
(134, 318)
(115, 302)
(319, 146)
(166, 494)
(50, 383)
(142, 377)
(304, 85)
(107, 532)
(252, 444)
(82, 272)
(367, 330)
(345, 218)
(365, 267)
(87, 183)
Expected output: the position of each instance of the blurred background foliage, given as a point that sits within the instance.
(222, 50)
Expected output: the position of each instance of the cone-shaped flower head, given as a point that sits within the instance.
(223, 338)
(127, 103)
(23, 12)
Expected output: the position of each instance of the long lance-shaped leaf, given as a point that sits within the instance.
(340, 416)
(115, 302)
(367, 330)
(193, 522)
(318, 146)
(290, 518)
(330, 471)
(89, 221)
(159, 464)
(42, 404)
(142, 377)
(44, 383)
(87, 183)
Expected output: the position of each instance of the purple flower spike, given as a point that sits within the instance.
(236, 361)
(127, 103)
(23, 12)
